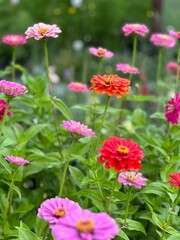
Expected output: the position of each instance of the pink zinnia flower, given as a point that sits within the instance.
(126, 68)
(172, 67)
(174, 34)
(132, 179)
(17, 160)
(162, 40)
(85, 225)
(101, 52)
(173, 109)
(78, 128)
(14, 39)
(3, 104)
(140, 29)
(42, 30)
(175, 179)
(54, 208)
(77, 87)
(12, 89)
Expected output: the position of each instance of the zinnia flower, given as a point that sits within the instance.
(17, 160)
(42, 30)
(174, 34)
(12, 89)
(172, 67)
(3, 107)
(126, 68)
(110, 84)
(85, 225)
(173, 109)
(175, 179)
(162, 40)
(121, 154)
(132, 179)
(14, 39)
(77, 128)
(100, 52)
(77, 87)
(139, 29)
(54, 208)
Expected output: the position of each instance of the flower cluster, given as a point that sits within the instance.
(139, 29)
(77, 87)
(14, 39)
(101, 52)
(3, 104)
(126, 68)
(162, 40)
(173, 109)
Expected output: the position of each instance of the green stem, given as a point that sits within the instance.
(99, 65)
(178, 62)
(46, 231)
(112, 193)
(158, 74)
(134, 53)
(5, 114)
(13, 62)
(127, 207)
(98, 185)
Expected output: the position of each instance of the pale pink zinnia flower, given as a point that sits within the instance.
(126, 68)
(3, 104)
(42, 30)
(172, 67)
(12, 89)
(139, 29)
(85, 225)
(101, 52)
(77, 87)
(54, 208)
(78, 128)
(132, 179)
(174, 34)
(173, 109)
(162, 40)
(17, 160)
(14, 39)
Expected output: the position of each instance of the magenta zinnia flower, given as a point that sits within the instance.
(101, 52)
(139, 29)
(173, 109)
(132, 179)
(174, 34)
(3, 104)
(85, 225)
(17, 160)
(12, 89)
(14, 39)
(172, 67)
(162, 40)
(54, 208)
(78, 128)
(77, 87)
(126, 68)
(175, 179)
(42, 30)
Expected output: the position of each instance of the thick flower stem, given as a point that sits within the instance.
(112, 193)
(13, 62)
(178, 62)
(127, 207)
(5, 114)
(134, 53)
(158, 74)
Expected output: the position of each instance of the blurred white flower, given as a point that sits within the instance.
(76, 3)
(77, 45)
(14, 2)
(53, 75)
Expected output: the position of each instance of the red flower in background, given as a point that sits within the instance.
(121, 154)
(175, 179)
(173, 109)
(3, 107)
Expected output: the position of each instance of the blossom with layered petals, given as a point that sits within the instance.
(172, 68)
(139, 29)
(121, 154)
(42, 30)
(173, 109)
(162, 40)
(54, 208)
(78, 128)
(132, 179)
(12, 89)
(3, 104)
(85, 225)
(110, 84)
(16, 160)
(174, 34)
(101, 52)
(77, 87)
(126, 68)
(14, 39)
(175, 179)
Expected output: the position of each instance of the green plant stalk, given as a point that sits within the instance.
(98, 185)
(13, 62)
(158, 74)
(134, 53)
(99, 65)
(127, 207)
(178, 62)
(5, 114)
(112, 193)
(46, 231)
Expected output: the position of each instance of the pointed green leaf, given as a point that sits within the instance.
(5, 165)
(76, 175)
(59, 104)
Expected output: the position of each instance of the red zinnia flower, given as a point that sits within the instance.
(173, 109)
(175, 179)
(121, 154)
(110, 84)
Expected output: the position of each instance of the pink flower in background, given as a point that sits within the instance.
(17, 160)
(42, 30)
(3, 104)
(126, 68)
(78, 128)
(12, 89)
(85, 225)
(173, 109)
(54, 208)
(172, 67)
(175, 179)
(100, 52)
(139, 29)
(77, 87)
(162, 40)
(132, 179)
(174, 34)
(14, 39)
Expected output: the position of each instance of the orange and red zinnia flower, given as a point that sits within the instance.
(121, 154)
(110, 84)
(175, 179)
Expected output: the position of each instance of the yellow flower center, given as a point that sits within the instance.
(60, 212)
(131, 177)
(85, 225)
(109, 79)
(123, 149)
(43, 30)
(101, 51)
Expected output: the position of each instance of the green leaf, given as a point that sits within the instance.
(141, 98)
(76, 175)
(157, 219)
(174, 236)
(158, 115)
(5, 165)
(132, 225)
(26, 207)
(24, 233)
(59, 104)
(123, 235)
(40, 226)
(156, 188)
